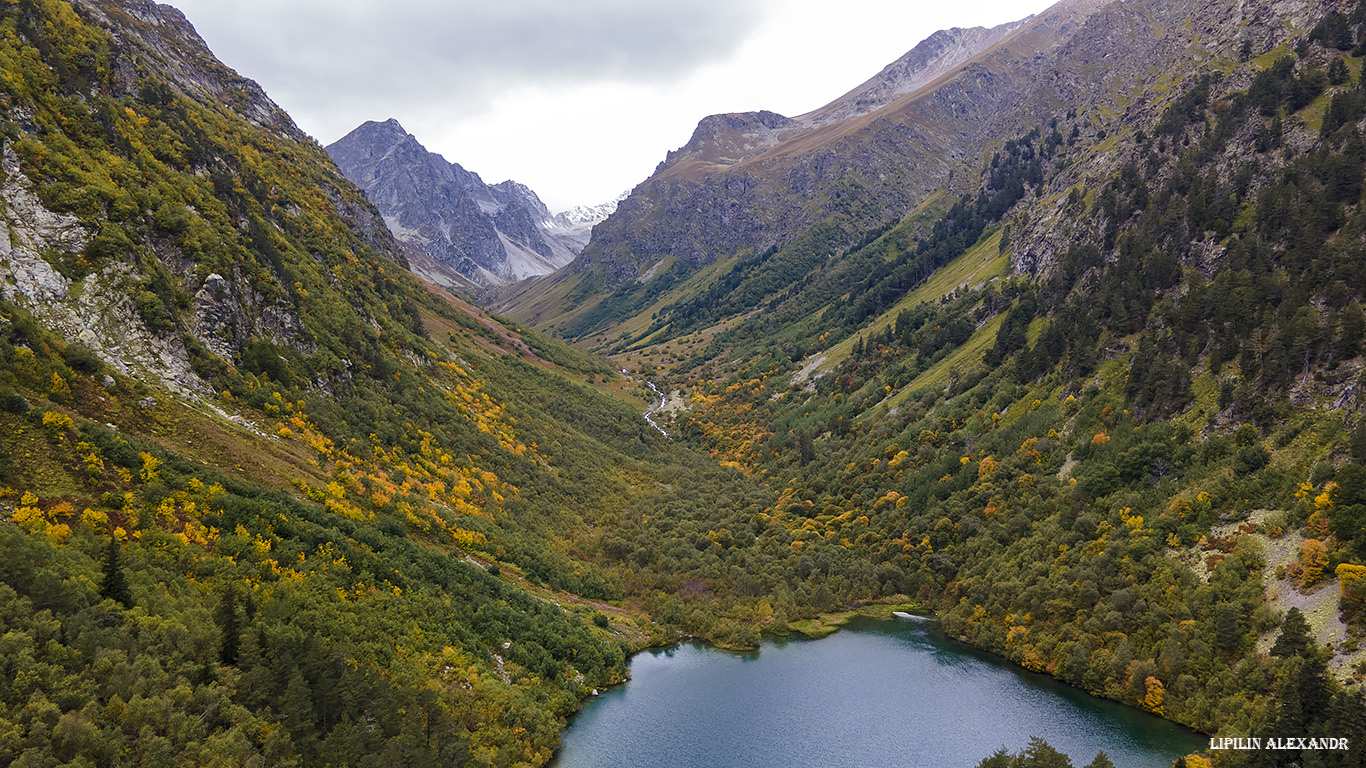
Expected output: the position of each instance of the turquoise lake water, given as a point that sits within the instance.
(877, 693)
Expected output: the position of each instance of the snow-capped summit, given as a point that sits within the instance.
(577, 223)
(590, 214)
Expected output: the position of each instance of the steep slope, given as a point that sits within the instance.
(1101, 411)
(937, 55)
(142, 219)
(490, 234)
(748, 182)
(264, 497)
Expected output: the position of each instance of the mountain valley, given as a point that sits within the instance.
(1053, 330)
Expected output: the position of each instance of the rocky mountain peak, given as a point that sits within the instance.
(588, 215)
(458, 230)
(512, 191)
(372, 141)
(726, 139)
(935, 56)
(166, 41)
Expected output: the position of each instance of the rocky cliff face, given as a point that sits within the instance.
(148, 207)
(466, 229)
(749, 181)
(96, 311)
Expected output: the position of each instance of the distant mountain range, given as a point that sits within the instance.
(458, 231)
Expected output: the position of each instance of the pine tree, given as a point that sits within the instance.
(1102, 761)
(1312, 687)
(296, 710)
(1337, 72)
(1040, 755)
(805, 449)
(1302, 697)
(256, 684)
(1295, 639)
(1347, 719)
(115, 584)
(227, 622)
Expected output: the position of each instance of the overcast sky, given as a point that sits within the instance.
(577, 99)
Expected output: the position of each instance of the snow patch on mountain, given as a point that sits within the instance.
(576, 224)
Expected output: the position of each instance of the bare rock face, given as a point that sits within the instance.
(936, 56)
(729, 139)
(166, 37)
(227, 309)
(752, 180)
(96, 311)
(471, 231)
(32, 229)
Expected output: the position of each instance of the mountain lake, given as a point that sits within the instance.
(876, 693)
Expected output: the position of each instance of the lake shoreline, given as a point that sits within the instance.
(828, 624)
(824, 625)
(688, 681)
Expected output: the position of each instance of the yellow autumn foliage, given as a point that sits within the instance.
(985, 468)
(1313, 559)
(150, 465)
(1152, 701)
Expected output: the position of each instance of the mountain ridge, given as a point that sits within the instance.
(696, 207)
(250, 462)
(865, 145)
(468, 231)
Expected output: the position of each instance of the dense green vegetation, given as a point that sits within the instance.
(1064, 463)
(1039, 755)
(381, 561)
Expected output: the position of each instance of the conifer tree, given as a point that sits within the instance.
(115, 584)
(1295, 639)
(227, 622)
(1103, 761)
(805, 449)
(297, 709)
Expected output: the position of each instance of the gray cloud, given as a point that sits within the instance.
(324, 58)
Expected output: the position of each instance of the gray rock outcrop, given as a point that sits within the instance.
(489, 234)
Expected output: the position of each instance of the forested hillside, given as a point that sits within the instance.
(1100, 413)
(266, 498)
